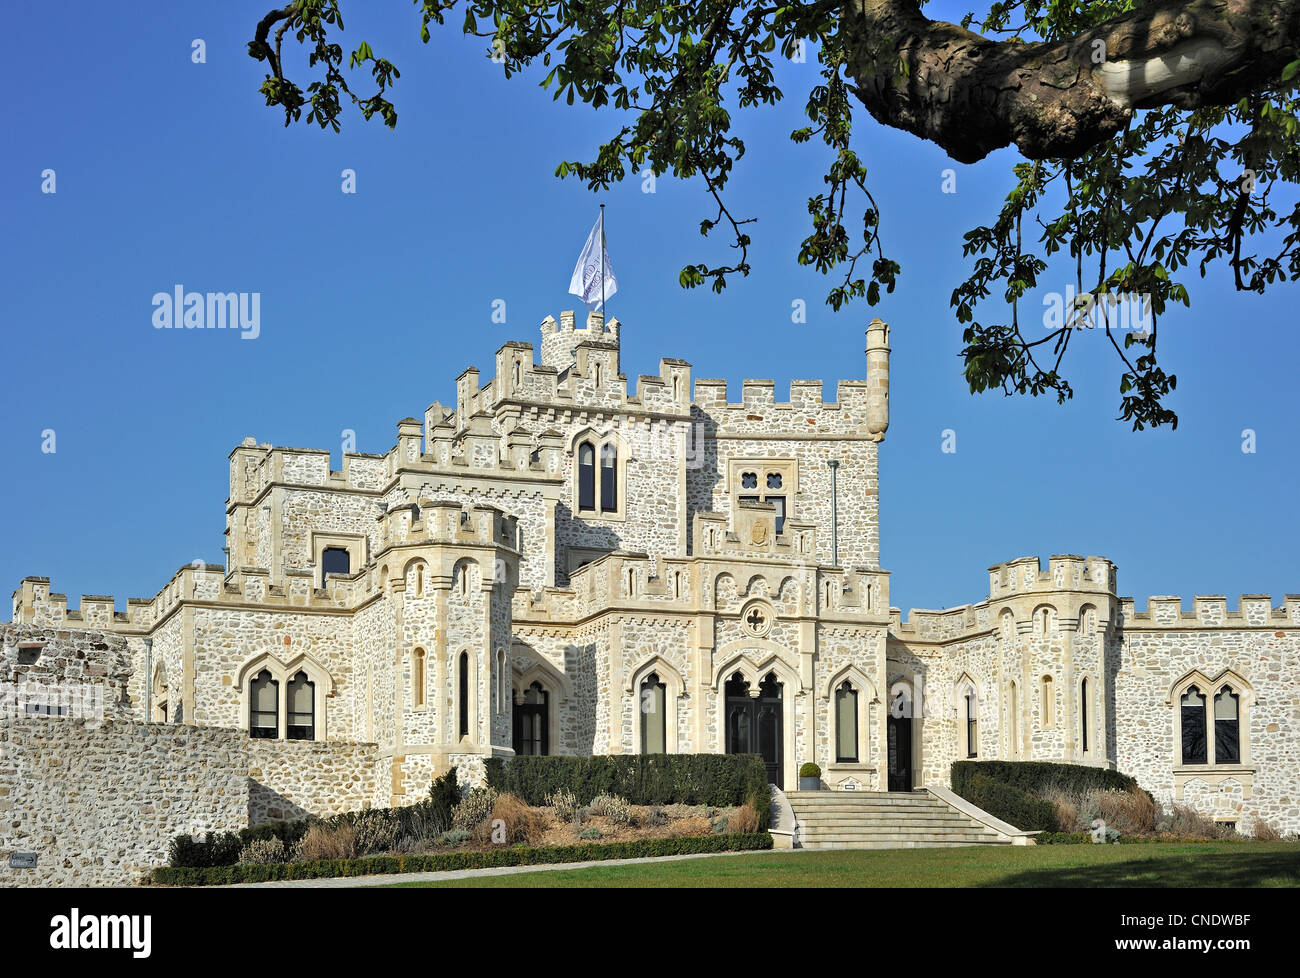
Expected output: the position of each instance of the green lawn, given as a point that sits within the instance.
(1214, 864)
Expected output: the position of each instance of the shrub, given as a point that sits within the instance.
(744, 819)
(612, 807)
(455, 837)
(374, 830)
(473, 810)
(1021, 809)
(1067, 807)
(443, 861)
(591, 833)
(565, 803)
(325, 842)
(1036, 776)
(643, 779)
(1131, 812)
(1185, 822)
(444, 795)
(1061, 838)
(810, 770)
(1264, 832)
(655, 818)
(259, 852)
(223, 848)
(720, 824)
(521, 822)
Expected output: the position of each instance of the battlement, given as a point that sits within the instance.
(256, 467)
(627, 581)
(444, 522)
(948, 624)
(1211, 611)
(560, 340)
(1065, 572)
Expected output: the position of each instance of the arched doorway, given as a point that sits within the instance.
(533, 721)
(754, 724)
(898, 736)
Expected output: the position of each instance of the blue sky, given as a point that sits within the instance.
(170, 172)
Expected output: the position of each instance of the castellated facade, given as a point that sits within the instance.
(557, 565)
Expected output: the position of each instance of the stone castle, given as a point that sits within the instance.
(557, 565)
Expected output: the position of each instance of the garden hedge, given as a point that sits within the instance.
(643, 779)
(1020, 808)
(442, 861)
(1034, 776)
(1006, 789)
(223, 848)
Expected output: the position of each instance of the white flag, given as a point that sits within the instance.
(587, 274)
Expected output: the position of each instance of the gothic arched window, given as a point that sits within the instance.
(972, 724)
(1193, 727)
(654, 715)
(846, 724)
(608, 478)
(586, 477)
(463, 697)
(1227, 727)
(301, 712)
(264, 706)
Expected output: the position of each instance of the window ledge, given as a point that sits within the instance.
(850, 766)
(1214, 774)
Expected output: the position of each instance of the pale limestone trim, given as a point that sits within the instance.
(599, 441)
(1213, 775)
(558, 687)
(353, 543)
(282, 671)
(1210, 688)
(965, 684)
(1004, 829)
(674, 688)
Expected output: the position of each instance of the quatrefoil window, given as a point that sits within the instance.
(774, 480)
(749, 480)
(757, 619)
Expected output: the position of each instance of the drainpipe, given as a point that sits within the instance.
(148, 680)
(835, 520)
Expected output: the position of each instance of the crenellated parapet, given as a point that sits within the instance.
(437, 522)
(947, 625)
(805, 411)
(255, 468)
(1212, 611)
(707, 585)
(1064, 572)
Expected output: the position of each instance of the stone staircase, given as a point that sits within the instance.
(894, 820)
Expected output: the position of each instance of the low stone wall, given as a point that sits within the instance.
(290, 780)
(99, 803)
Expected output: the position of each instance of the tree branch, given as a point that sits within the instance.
(1056, 99)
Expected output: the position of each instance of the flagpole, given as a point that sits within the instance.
(602, 268)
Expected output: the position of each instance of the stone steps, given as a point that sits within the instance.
(882, 820)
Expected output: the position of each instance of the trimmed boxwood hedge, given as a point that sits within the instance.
(1020, 808)
(1006, 789)
(1035, 775)
(442, 861)
(643, 779)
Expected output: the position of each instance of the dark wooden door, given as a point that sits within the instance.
(532, 733)
(900, 753)
(755, 724)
